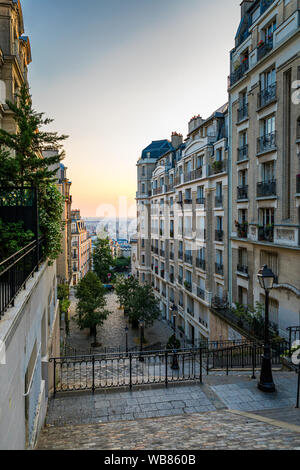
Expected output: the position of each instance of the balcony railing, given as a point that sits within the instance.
(192, 175)
(242, 112)
(219, 235)
(264, 48)
(242, 229)
(200, 293)
(242, 192)
(266, 142)
(200, 263)
(218, 166)
(188, 285)
(188, 258)
(16, 270)
(219, 269)
(162, 253)
(298, 184)
(219, 201)
(188, 201)
(243, 153)
(267, 95)
(239, 72)
(265, 5)
(180, 280)
(266, 188)
(180, 255)
(242, 269)
(266, 233)
(162, 273)
(200, 201)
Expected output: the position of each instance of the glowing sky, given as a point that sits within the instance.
(117, 74)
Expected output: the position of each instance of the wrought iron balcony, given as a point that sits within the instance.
(180, 280)
(266, 142)
(218, 166)
(193, 175)
(267, 95)
(219, 269)
(242, 269)
(266, 188)
(188, 285)
(162, 273)
(242, 192)
(264, 48)
(242, 229)
(188, 258)
(162, 253)
(200, 293)
(219, 201)
(188, 201)
(180, 255)
(243, 153)
(266, 233)
(200, 201)
(219, 235)
(298, 184)
(190, 311)
(242, 112)
(239, 72)
(200, 263)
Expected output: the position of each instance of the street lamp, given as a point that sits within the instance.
(266, 280)
(174, 365)
(126, 336)
(141, 325)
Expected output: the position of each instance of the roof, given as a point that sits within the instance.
(157, 148)
(219, 113)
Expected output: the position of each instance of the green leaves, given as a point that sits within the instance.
(13, 238)
(103, 259)
(91, 311)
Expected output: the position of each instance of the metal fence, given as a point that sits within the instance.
(126, 370)
(15, 272)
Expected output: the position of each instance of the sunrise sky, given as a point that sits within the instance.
(117, 74)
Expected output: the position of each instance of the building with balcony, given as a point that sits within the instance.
(185, 206)
(81, 247)
(265, 67)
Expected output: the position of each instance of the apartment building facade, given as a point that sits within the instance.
(81, 248)
(265, 164)
(183, 216)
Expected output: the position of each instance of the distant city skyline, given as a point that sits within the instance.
(120, 74)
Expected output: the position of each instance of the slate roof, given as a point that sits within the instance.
(157, 148)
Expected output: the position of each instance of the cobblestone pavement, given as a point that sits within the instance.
(206, 431)
(112, 333)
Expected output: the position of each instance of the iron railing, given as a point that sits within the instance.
(266, 233)
(16, 271)
(239, 72)
(242, 192)
(267, 95)
(264, 49)
(242, 112)
(266, 188)
(266, 142)
(200, 263)
(219, 235)
(219, 269)
(241, 268)
(243, 153)
(219, 201)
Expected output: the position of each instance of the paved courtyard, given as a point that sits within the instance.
(224, 412)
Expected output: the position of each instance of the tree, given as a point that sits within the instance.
(91, 311)
(22, 163)
(21, 158)
(102, 258)
(143, 305)
(13, 238)
(121, 264)
(125, 289)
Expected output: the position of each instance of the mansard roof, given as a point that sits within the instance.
(156, 149)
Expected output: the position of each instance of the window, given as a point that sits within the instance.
(270, 259)
(220, 223)
(243, 139)
(268, 171)
(200, 161)
(269, 31)
(266, 216)
(219, 155)
(243, 296)
(219, 189)
(243, 178)
(243, 257)
(268, 79)
(273, 309)
(268, 126)
(243, 216)
(143, 171)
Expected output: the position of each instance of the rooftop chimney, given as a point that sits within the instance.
(176, 140)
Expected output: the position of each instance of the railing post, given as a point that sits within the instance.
(290, 342)
(298, 389)
(130, 371)
(207, 362)
(93, 386)
(166, 368)
(227, 363)
(253, 361)
(201, 379)
(54, 378)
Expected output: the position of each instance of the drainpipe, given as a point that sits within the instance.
(229, 203)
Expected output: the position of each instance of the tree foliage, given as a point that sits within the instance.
(51, 206)
(102, 258)
(91, 311)
(13, 238)
(21, 152)
(125, 289)
(121, 264)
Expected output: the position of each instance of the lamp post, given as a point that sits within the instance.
(126, 337)
(174, 365)
(266, 280)
(141, 357)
